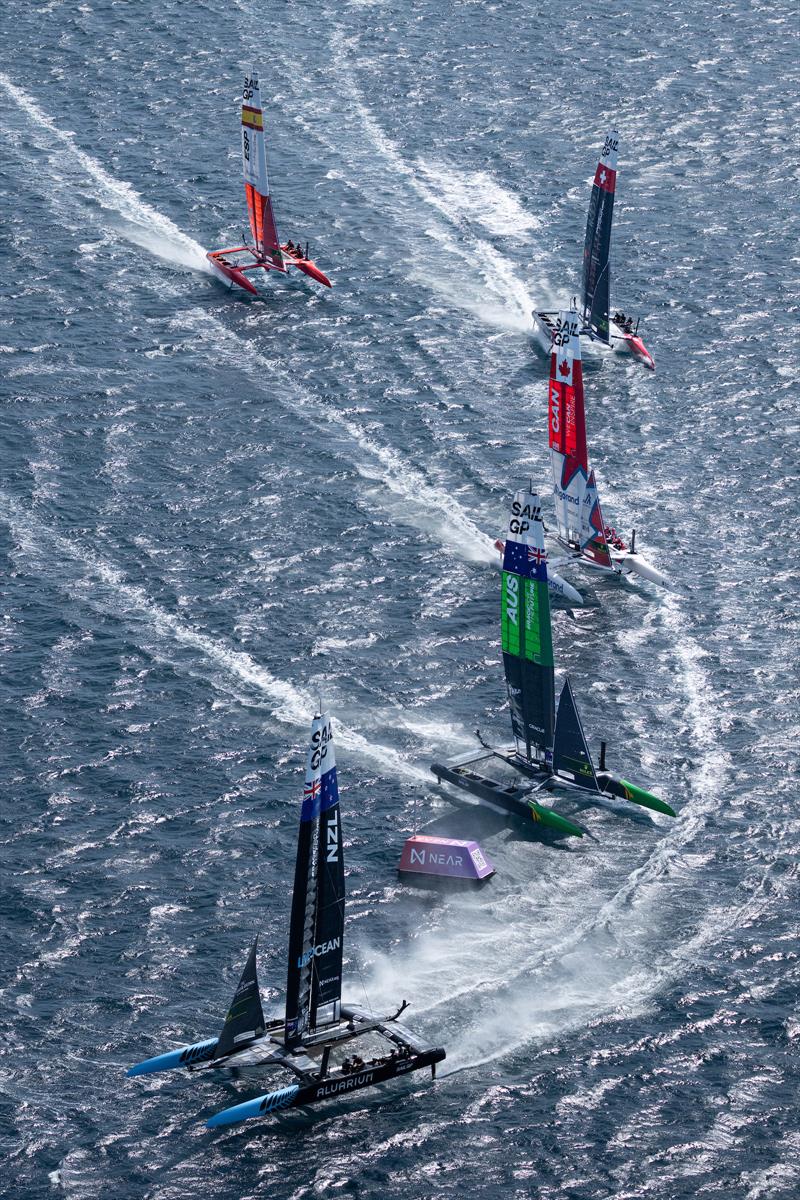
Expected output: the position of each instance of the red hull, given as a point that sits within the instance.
(231, 272)
(234, 271)
(640, 351)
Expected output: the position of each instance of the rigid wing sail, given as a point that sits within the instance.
(582, 531)
(550, 751)
(266, 253)
(315, 1038)
(599, 325)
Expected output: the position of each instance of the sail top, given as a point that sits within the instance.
(245, 1019)
(526, 632)
(605, 176)
(316, 933)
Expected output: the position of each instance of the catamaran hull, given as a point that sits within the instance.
(621, 342)
(629, 343)
(640, 566)
(296, 1096)
(230, 274)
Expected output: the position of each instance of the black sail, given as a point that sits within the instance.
(314, 976)
(596, 285)
(526, 633)
(571, 757)
(245, 1019)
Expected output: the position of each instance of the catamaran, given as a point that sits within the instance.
(582, 533)
(550, 752)
(316, 1038)
(618, 331)
(266, 253)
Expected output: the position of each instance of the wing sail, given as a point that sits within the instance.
(256, 180)
(526, 632)
(314, 977)
(596, 285)
(245, 1020)
(571, 757)
(567, 426)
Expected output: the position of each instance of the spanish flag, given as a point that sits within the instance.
(253, 117)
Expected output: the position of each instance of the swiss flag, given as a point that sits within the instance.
(605, 178)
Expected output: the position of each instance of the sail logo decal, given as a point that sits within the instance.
(319, 745)
(318, 951)
(512, 599)
(332, 838)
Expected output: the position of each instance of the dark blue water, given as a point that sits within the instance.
(214, 510)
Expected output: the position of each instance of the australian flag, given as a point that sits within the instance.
(528, 561)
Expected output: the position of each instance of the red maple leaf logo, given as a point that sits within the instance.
(563, 368)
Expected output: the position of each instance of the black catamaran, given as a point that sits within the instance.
(550, 751)
(315, 1040)
(599, 325)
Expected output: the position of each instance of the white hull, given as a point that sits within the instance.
(640, 566)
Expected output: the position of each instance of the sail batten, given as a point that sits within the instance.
(596, 282)
(527, 642)
(314, 973)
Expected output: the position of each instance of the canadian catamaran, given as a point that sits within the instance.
(266, 253)
(315, 1039)
(617, 332)
(550, 752)
(582, 532)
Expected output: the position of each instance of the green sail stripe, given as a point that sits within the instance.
(538, 646)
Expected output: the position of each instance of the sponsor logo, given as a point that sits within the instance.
(515, 526)
(320, 740)
(436, 859)
(478, 859)
(512, 691)
(250, 85)
(532, 511)
(318, 951)
(608, 145)
(344, 1085)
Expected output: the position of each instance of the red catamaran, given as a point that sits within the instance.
(267, 253)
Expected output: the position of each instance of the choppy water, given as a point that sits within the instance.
(213, 510)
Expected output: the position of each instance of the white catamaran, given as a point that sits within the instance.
(550, 752)
(582, 532)
(617, 332)
(266, 253)
(316, 1038)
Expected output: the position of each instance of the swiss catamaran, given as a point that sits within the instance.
(315, 1039)
(619, 331)
(266, 253)
(550, 752)
(582, 532)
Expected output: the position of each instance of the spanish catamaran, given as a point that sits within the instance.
(550, 752)
(316, 1038)
(582, 532)
(266, 253)
(618, 332)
